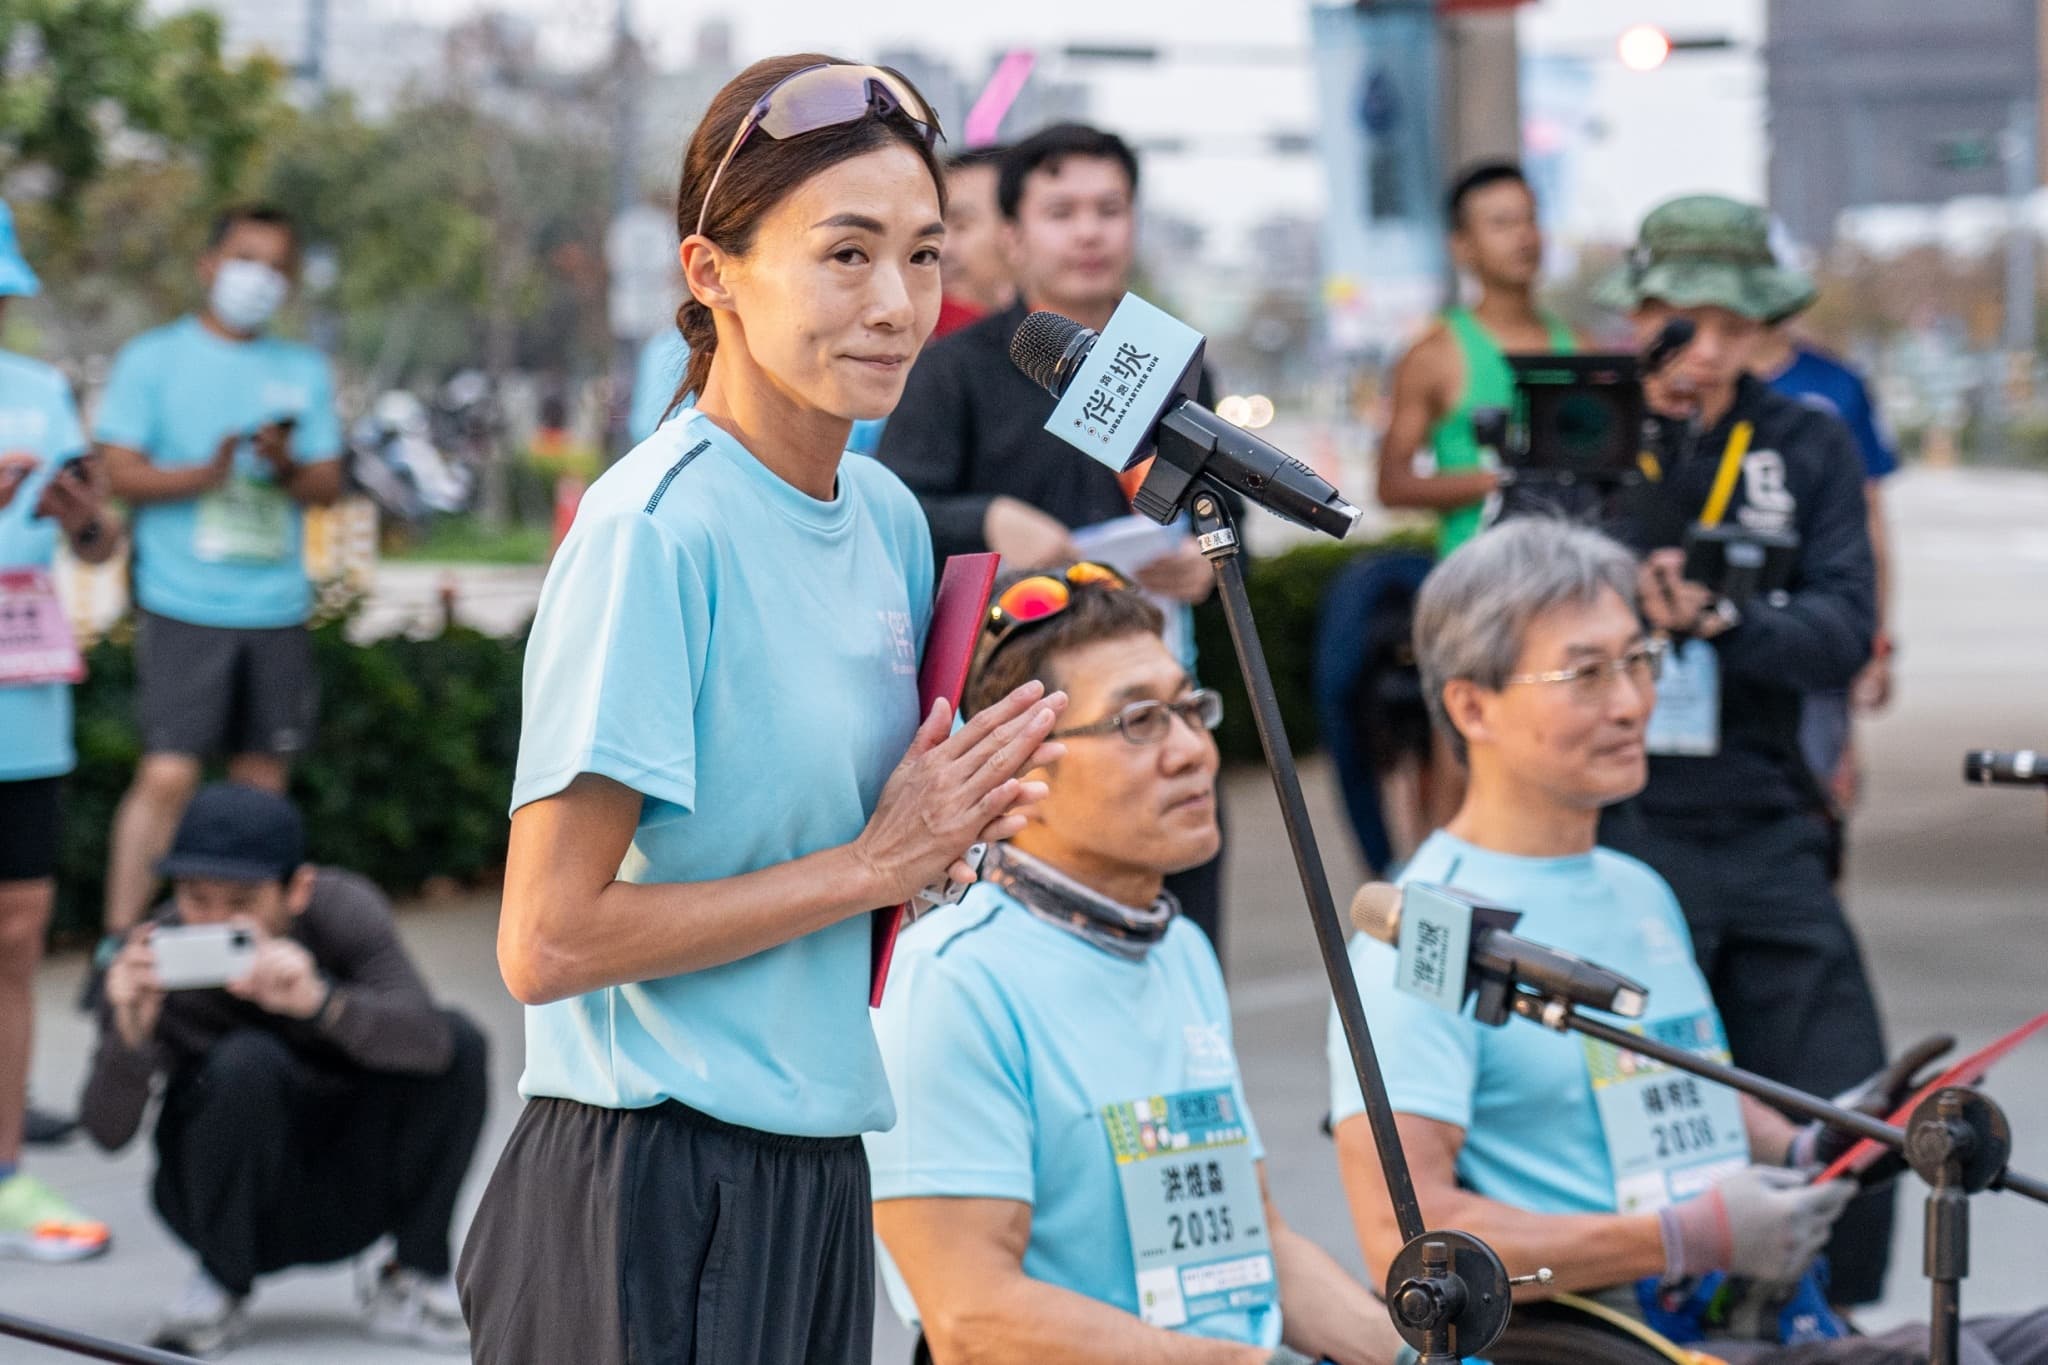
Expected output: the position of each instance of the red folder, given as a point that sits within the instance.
(1968, 1071)
(958, 611)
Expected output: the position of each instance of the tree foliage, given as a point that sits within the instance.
(86, 81)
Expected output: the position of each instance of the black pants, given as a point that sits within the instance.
(1786, 975)
(664, 1237)
(268, 1161)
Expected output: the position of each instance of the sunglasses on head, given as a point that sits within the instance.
(1043, 596)
(829, 95)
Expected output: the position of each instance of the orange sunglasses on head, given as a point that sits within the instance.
(1043, 596)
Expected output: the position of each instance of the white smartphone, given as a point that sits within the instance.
(193, 957)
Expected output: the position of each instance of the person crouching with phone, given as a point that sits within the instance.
(317, 1099)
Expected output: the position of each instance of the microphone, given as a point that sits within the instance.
(2006, 767)
(1155, 405)
(1673, 337)
(1496, 961)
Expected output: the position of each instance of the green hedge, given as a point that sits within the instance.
(409, 780)
(412, 772)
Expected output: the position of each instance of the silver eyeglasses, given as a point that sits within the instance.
(1149, 722)
(1591, 681)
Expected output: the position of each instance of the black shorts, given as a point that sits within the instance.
(664, 1237)
(213, 690)
(31, 818)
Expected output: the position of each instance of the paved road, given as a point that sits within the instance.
(1949, 885)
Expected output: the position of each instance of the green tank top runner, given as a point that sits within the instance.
(1489, 383)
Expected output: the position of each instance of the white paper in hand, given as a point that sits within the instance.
(1128, 545)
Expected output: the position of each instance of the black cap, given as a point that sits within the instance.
(238, 834)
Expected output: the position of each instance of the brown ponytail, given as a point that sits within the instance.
(759, 176)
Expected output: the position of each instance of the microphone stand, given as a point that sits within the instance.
(1957, 1140)
(1447, 1292)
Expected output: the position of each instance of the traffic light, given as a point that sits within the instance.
(1643, 47)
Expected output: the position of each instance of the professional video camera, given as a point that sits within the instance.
(1573, 445)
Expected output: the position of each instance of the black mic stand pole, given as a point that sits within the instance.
(1447, 1292)
(1957, 1141)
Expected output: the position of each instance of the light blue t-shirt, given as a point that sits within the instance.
(745, 657)
(173, 394)
(1521, 1092)
(1005, 1036)
(37, 417)
(663, 358)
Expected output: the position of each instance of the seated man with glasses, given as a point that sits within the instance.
(1073, 1174)
(1637, 1186)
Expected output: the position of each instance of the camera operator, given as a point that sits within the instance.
(1732, 816)
(317, 1103)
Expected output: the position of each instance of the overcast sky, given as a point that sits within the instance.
(1696, 124)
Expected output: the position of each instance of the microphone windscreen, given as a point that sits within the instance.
(1376, 911)
(1041, 340)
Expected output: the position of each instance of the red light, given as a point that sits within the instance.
(1643, 48)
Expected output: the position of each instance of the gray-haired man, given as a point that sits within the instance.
(1627, 1179)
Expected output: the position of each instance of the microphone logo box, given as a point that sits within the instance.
(1436, 942)
(1144, 360)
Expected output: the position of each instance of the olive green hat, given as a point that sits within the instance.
(1704, 250)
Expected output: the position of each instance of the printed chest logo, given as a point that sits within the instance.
(1661, 946)
(23, 426)
(1767, 504)
(902, 649)
(1208, 1054)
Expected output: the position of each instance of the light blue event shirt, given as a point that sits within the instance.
(1521, 1093)
(173, 394)
(1005, 1036)
(745, 657)
(37, 417)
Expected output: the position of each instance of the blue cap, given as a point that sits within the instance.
(236, 834)
(15, 276)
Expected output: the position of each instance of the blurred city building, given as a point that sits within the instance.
(1898, 102)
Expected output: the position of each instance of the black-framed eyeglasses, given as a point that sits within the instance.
(828, 95)
(1149, 722)
(1590, 682)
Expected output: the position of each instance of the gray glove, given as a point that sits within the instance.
(1762, 1223)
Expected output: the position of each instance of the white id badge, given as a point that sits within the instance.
(1193, 1206)
(243, 522)
(1670, 1136)
(1688, 715)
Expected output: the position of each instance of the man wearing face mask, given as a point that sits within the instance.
(219, 436)
(1732, 817)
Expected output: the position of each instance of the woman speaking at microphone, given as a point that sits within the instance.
(722, 769)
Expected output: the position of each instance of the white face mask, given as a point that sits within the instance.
(247, 294)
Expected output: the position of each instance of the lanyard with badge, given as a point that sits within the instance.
(1669, 1136)
(36, 642)
(1192, 1202)
(244, 521)
(1687, 718)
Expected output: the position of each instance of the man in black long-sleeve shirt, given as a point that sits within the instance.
(1732, 816)
(969, 437)
(317, 1102)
